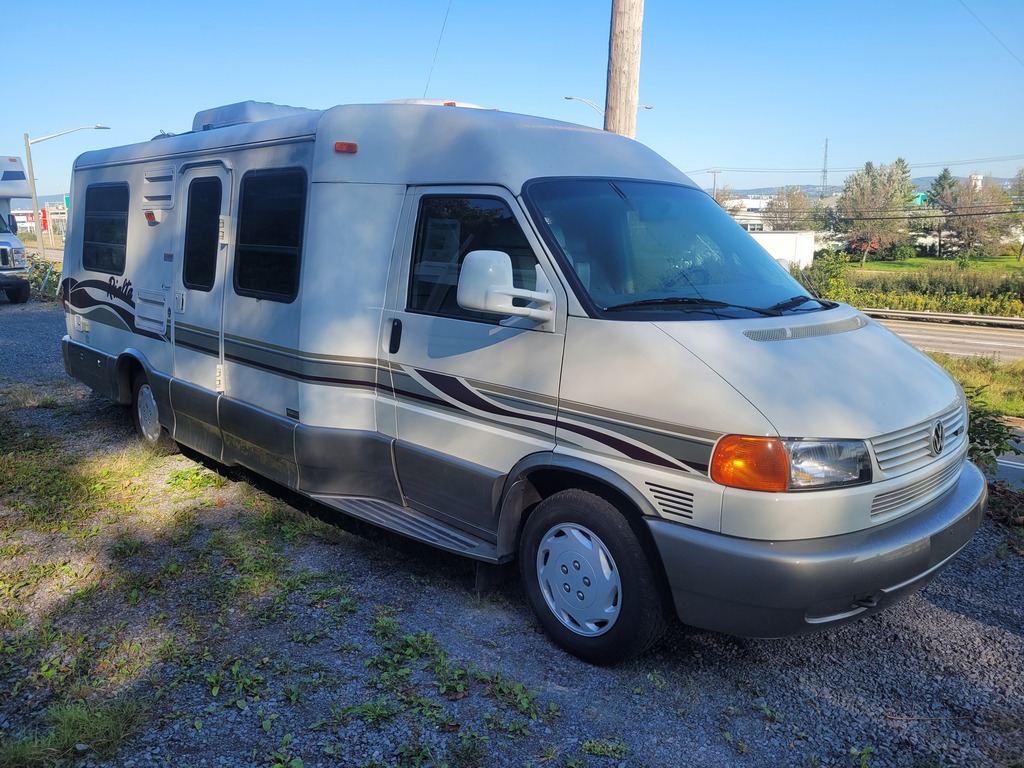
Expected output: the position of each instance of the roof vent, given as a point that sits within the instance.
(243, 112)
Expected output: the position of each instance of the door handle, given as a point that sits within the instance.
(396, 336)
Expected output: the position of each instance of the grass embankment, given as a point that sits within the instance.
(1000, 385)
(996, 290)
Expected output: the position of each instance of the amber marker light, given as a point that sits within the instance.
(751, 463)
(346, 147)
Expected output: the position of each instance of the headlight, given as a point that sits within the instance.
(777, 465)
(19, 258)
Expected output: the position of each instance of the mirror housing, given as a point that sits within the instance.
(485, 285)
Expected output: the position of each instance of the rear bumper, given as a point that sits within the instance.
(773, 589)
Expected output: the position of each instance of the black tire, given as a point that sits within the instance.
(589, 580)
(18, 294)
(146, 418)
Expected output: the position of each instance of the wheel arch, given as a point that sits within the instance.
(539, 476)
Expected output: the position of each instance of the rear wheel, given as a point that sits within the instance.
(589, 579)
(18, 294)
(146, 417)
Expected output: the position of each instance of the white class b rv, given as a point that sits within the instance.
(515, 338)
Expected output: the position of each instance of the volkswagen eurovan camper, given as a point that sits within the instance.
(518, 339)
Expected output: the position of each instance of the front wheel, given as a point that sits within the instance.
(19, 294)
(588, 578)
(147, 418)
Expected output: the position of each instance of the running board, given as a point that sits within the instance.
(413, 524)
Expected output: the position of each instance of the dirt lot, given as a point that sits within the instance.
(162, 610)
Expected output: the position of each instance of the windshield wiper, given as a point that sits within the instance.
(793, 303)
(689, 302)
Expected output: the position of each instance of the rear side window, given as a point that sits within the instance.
(202, 233)
(449, 227)
(271, 214)
(106, 228)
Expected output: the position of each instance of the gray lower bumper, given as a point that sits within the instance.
(777, 588)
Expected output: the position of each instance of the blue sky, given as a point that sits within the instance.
(733, 85)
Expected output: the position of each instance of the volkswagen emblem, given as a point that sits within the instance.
(938, 438)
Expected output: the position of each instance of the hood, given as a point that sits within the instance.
(830, 374)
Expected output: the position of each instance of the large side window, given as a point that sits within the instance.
(202, 233)
(272, 210)
(449, 227)
(106, 228)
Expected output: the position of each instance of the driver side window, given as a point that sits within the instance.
(447, 228)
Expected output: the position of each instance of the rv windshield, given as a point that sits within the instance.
(636, 248)
(4, 228)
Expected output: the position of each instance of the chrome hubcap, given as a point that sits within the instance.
(579, 579)
(148, 420)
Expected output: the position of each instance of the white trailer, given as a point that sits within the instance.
(515, 338)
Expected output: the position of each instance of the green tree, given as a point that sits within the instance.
(727, 199)
(943, 187)
(1016, 219)
(790, 209)
(874, 204)
(977, 218)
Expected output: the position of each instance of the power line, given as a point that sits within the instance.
(994, 35)
(444, 24)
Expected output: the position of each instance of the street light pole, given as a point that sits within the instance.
(37, 217)
(597, 108)
(586, 101)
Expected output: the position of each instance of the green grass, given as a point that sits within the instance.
(99, 729)
(1002, 384)
(985, 264)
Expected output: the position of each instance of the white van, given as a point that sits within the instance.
(13, 263)
(514, 338)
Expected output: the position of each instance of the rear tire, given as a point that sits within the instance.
(18, 294)
(589, 580)
(146, 418)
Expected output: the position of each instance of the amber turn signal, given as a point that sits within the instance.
(751, 463)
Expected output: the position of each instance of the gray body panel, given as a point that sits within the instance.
(776, 588)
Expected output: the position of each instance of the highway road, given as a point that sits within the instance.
(1002, 344)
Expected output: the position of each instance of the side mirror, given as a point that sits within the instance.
(485, 285)
(12, 223)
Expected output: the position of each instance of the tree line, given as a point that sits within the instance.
(877, 216)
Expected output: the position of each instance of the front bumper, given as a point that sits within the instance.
(777, 588)
(12, 278)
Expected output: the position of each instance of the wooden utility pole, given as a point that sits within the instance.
(622, 98)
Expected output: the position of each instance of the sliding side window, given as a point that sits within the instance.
(449, 227)
(106, 228)
(271, 215)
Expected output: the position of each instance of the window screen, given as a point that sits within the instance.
(106, 228)
(448, 228)
(202, 233)
(270, 220)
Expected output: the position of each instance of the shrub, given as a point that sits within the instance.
(990, 437)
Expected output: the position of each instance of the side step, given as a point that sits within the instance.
(413, 524)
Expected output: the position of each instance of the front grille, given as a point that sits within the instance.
(6, 257)
(908, 449)
(911, 496)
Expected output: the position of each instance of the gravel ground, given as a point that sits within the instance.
(367, 650)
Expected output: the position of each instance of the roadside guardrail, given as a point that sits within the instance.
(946, 317)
